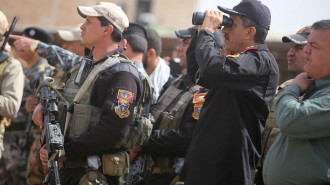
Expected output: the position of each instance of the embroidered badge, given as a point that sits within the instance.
(125, 98)
(198, 100)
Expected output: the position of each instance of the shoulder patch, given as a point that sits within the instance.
(198, 101)
(125, 98)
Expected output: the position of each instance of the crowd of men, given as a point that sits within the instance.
(125, 119)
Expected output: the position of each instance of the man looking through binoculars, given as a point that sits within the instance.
(226, 145)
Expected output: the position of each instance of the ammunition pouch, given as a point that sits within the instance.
(116, 164)
(82, 118)
(93, 177)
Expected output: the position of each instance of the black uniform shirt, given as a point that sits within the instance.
(226, 144)
(111, 127)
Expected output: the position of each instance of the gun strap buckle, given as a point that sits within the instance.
(71, 107)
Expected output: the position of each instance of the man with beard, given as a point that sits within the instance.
(156, 67)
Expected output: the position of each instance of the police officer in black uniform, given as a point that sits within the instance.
(226, 145)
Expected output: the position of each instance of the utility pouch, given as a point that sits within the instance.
(116, 164)
(167, 121)
(138, 133)
(93, 177)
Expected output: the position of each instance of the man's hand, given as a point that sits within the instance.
(133, 153)
(37, 115)
(43, 155)
(22, 43)
(44, 158)
(303, 81)
(212, 20)
(31, 103)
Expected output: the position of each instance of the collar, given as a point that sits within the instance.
(119, 50)
(323, 82)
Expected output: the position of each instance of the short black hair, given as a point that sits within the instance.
(138, 43)
(154, 41)
(322, 24)
(116, 35)
(261, 32)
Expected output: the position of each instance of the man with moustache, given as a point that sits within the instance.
(295, 57)
(226, 144)
(114, 92)
(300, 153)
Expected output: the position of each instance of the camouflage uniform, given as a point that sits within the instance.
(15, 158)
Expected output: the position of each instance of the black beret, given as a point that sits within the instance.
(38, 34)
(137, 29)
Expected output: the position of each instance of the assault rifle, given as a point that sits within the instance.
(137, 170)
(3, 54)
(51, 132)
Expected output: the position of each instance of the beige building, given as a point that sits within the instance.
(52, 15)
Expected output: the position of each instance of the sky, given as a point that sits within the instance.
(288, 16)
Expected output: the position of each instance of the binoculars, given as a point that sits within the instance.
(198, 18)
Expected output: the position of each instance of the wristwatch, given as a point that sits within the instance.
(34, 45)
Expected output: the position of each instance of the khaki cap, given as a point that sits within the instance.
(110, 11)
(70, 35)
(3, 23)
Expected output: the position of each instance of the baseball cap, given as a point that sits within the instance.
(70, 35)
(300, 37)
(189, 33)
(253, 10)
(110, 11)
(136, 29)
(38, 34)
(186, 34)
(3, 23)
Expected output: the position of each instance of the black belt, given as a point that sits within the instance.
(74, 164)
(16, 127)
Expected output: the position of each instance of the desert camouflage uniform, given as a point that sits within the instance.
(15, 157)
(12, 82)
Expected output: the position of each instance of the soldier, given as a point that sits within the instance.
(176, 114)
(115, 89)
(12, 84)
(72, 41)
(296, 63)
(226, 145)
(23, 122)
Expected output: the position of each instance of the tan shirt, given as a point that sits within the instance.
(11, 89)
